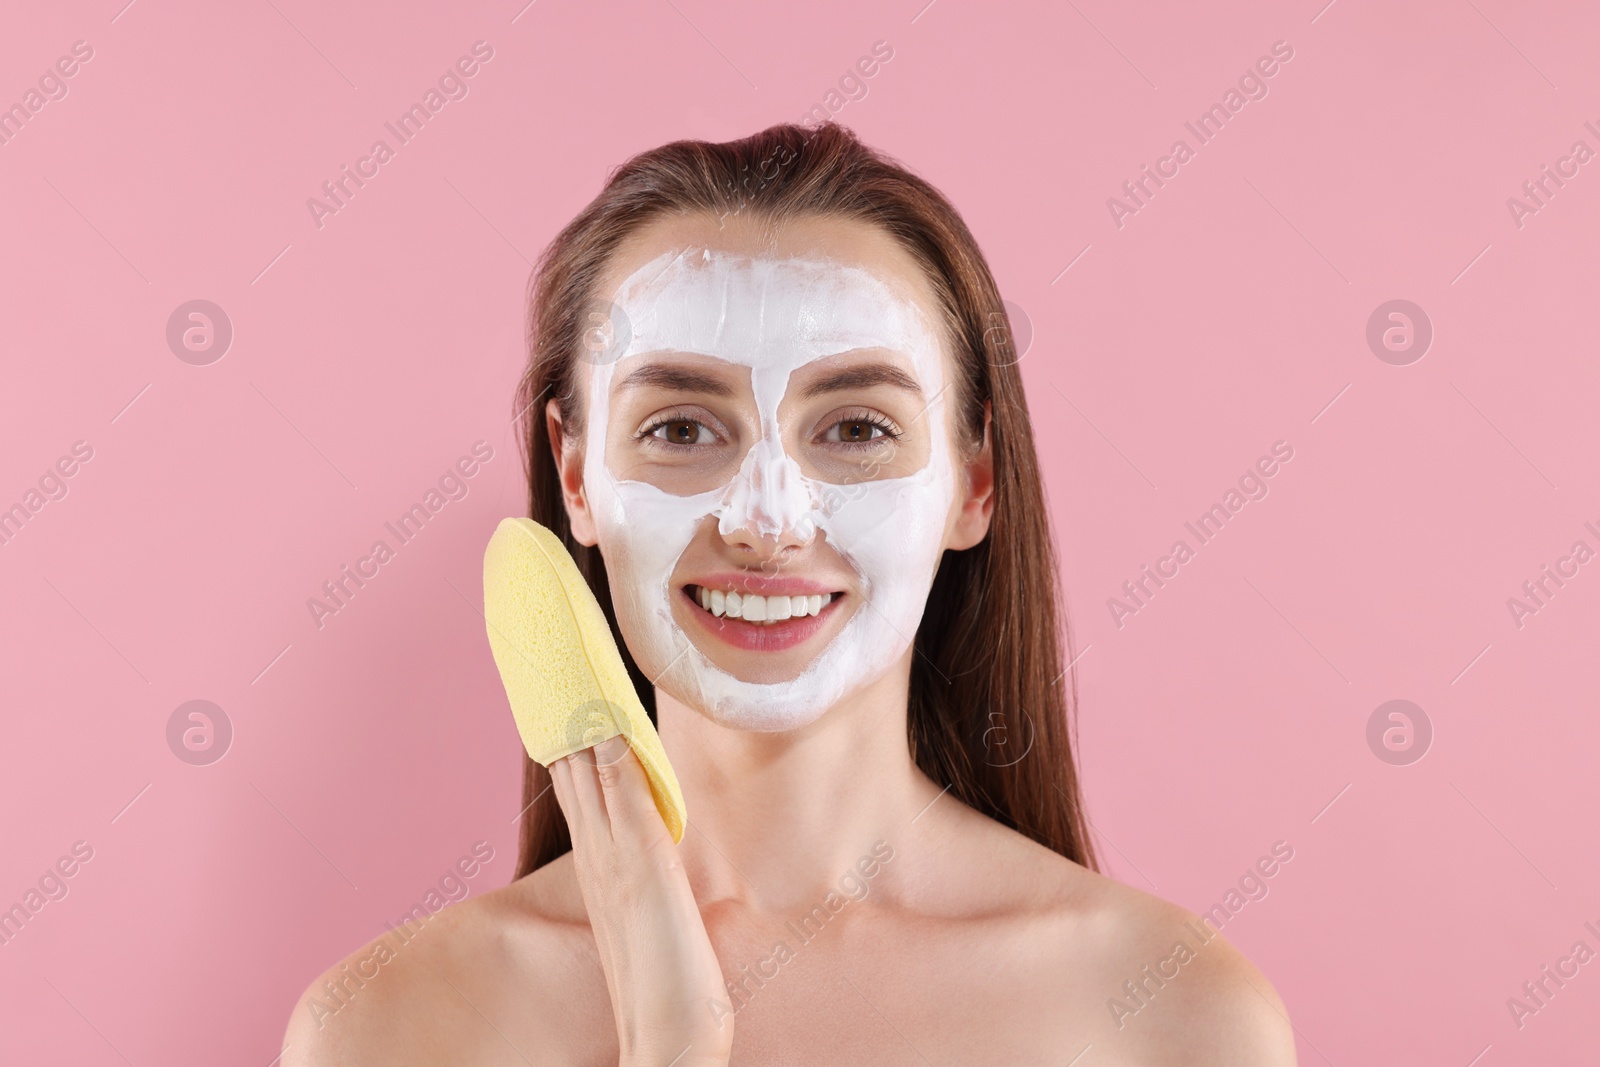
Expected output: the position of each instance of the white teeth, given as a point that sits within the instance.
(760, 609)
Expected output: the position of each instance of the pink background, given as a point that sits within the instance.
(1227, 314)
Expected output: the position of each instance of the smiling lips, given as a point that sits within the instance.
(760, 623)
(752, 607)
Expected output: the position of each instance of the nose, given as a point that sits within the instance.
(767, 507)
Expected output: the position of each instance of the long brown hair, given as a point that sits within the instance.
(989, 678)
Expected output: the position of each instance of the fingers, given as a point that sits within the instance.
(566, 797)
(578, 794)
(630, 806)
(605, 795)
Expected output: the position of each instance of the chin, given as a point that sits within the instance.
(759, 707)
(763, 715)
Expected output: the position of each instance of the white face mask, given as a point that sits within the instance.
(773, 316)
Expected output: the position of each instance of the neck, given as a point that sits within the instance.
(776, 819)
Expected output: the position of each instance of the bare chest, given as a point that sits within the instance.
(814, 994)
(901, 995)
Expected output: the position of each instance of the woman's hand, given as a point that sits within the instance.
(662, 973)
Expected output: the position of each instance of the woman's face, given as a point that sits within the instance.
(768, 464)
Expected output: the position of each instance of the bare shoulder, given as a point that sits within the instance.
(1158, 983)
(1176, 990)
(491, 978)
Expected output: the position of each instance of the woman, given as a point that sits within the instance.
(773, 411)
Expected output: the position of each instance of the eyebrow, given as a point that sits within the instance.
(681, 379)
(862, 377)
(687, 380)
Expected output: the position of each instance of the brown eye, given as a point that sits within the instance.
(681, 432)
(856, 432)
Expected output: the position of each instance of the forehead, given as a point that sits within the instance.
(759, 295)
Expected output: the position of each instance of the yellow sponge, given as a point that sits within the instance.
(561, 668)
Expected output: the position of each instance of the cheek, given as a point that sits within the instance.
(637, 577)
(893, 534)
(643, 531)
